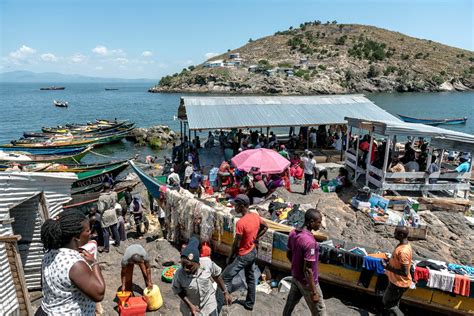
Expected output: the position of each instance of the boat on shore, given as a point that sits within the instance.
(83, 134)
(338, 274)
(61, 104)
(447, 121)
(53, 88)
(25, 156)
(93, 180)
(64, 167)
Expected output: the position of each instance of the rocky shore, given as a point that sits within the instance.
(157, 137)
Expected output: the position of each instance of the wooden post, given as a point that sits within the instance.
(357, 158)
(428, 163)
(394, 144)
(348, 139)
(385, 160)
(369, 158)
(307, 138)
(466, 193)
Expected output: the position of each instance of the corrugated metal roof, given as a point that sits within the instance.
(16, 187)
(401, 128)
(263, 111)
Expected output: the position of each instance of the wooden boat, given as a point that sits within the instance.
(86, 134)
(53, 88)
(22, 156)
(93, 180)
(44, 151)
(64, 167)
(111, 89)
(97, 141)
(451, 121)
(88, 199)
(83, 128)
(339, 275)
(61, 104)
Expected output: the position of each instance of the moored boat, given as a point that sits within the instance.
(93, 180)
(22, 156)
(447, 121)
(44, 151)
(61, 104)
(63, 167)
(53, 88)
(111, 89)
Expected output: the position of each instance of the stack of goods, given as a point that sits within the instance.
(452, 278)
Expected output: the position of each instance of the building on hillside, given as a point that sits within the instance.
(214, 63)
(234, 56)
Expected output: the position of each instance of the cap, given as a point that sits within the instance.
(191, 252)
(172, 170)
(241, 199)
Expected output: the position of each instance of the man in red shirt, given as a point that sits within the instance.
(248, 229)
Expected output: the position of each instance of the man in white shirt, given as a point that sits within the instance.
(187, 174)
(173, 179)
(309, 170)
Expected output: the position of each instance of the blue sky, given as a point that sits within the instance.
(149, 39)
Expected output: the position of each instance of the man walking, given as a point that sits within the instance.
(108, 221)
(248, 229)
(398, 272)
(309, 169)
(303, 253)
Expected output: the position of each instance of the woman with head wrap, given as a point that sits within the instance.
(193, 282)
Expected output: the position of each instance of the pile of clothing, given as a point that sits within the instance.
(286, 213)
(452, 278)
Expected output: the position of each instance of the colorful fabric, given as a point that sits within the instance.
(442, 280)
(373, 264)
(421, 274)
(462, 285)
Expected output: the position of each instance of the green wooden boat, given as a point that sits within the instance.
(93, 180)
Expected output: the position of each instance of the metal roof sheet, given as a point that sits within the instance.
(272, 111)
(401, 128)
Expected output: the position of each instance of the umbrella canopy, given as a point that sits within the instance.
(268, 161)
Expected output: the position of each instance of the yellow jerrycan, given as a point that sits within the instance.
(153, 298)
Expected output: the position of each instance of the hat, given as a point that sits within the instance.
(172, 169)
(191, 252)
(241, 199)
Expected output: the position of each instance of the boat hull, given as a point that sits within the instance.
(453, 121)
(89, 181)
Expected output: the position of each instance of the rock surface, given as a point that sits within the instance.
(157, 137)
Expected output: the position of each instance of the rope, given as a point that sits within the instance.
(93, 152)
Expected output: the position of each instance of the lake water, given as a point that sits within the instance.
(25, 108)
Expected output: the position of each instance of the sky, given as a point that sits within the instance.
(153, 38)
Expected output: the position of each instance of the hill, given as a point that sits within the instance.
(54, 77)
(329, 58)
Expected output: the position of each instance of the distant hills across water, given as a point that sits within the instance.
(54, 77)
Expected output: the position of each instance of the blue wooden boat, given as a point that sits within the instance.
(453, 121)
(44, 150)
(152, 185)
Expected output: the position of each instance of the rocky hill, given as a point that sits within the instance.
(329, 58)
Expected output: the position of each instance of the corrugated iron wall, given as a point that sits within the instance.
(9, 302)
(21, 192)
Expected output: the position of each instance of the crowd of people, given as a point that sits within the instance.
(72, 281)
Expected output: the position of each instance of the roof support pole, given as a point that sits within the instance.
(369, 158)
(307, 138)
(466, 193)
(357, 158)
(181, 128)
(385, 159)
(428, 163)
(268, 135)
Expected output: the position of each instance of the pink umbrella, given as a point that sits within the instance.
(268, 161)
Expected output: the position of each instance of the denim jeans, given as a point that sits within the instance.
(115, 235)
(246, 262)
(308, 182)
(297, 291)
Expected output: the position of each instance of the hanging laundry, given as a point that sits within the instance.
(459, 269)
(431, 265)
(365, 277)
(462, 285)
(421, 274)
(442, 280)
(373, 264)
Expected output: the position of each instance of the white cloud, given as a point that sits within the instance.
(121, 60)
(100, 50)
(147, 53)
(99, 68)
(210, 55)
(104, 51)
(22, 53)
(78, 58)
(49, 57)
